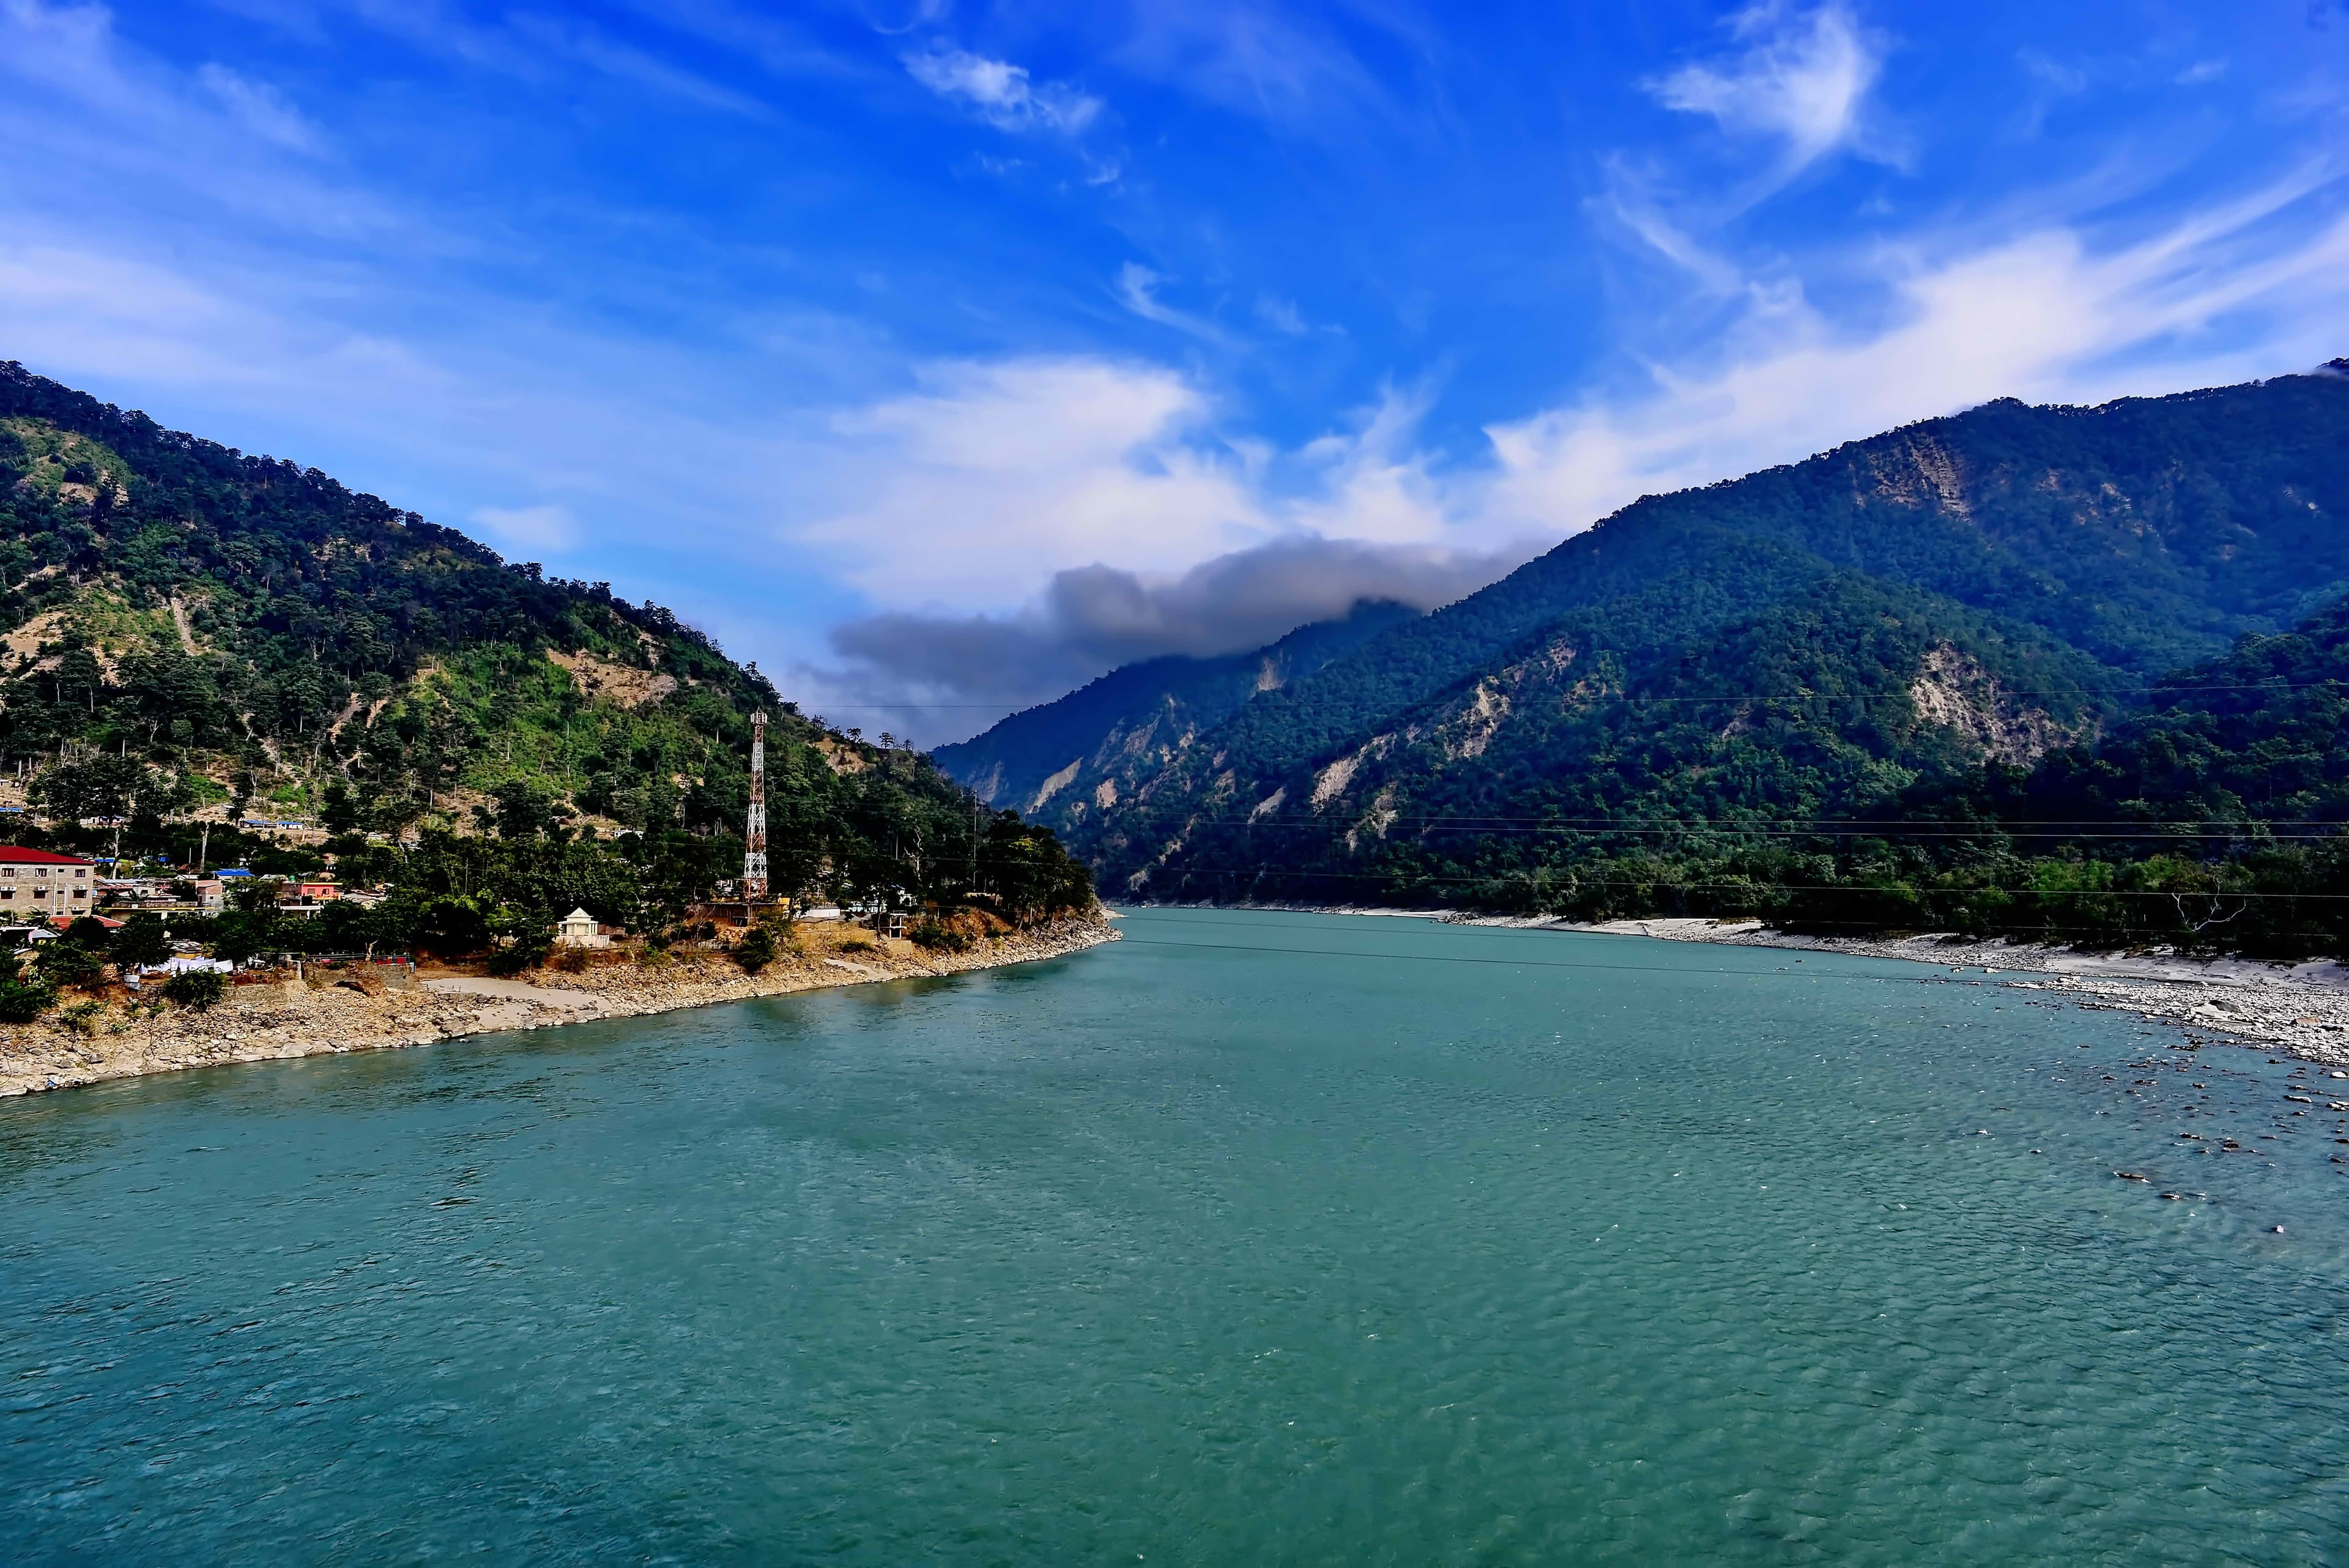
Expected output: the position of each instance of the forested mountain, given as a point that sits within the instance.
(201, 634)
(1959, 611)
(1133, 722)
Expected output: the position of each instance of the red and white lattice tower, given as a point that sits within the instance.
(754, 832)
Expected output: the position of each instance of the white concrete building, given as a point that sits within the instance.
(578, 929)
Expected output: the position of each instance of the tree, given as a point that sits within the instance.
(756, 951)
(452, 925)
(100, 786)
(66, 962)
(241, 934)
(525, 810)
(90, 932)
(140, 943)
(23, 999)
(197, 990)
(341, 812)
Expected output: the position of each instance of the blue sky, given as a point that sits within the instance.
(939, 355)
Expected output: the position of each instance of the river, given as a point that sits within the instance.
(1252, 1239)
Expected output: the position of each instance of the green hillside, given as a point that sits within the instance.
(200, 635)
(1660, 712)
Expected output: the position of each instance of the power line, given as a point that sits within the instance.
(1466, 825)
(1666, 884)
(1821, 822)
(1627, 697)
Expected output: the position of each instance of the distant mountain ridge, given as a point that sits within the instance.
(1819, 640)
(1132, 721)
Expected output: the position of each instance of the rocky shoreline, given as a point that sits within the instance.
(280, 1022)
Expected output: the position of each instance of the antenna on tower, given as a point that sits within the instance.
(754, 831)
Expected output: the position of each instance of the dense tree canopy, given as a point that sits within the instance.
(200, 628)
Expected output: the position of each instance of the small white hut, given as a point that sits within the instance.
(578, 929)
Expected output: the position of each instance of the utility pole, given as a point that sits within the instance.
(203, 846)
(754, 831)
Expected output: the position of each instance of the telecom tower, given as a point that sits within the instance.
(754, 832)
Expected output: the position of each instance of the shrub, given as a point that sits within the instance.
(66, 962)
(511, 961)
(142, 941)
(88, 931)
(197, 990)
(82, 1016)
(22, 1001)
(934, 937)
(856, 945)
(756, 951)
(571, 959)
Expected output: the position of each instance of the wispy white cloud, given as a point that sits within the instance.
(260, 109)
(1281, 314)
(1003, 94)
(783, 45)
(565, 38)
(543, 48)
(149, 139)
(2051, 81)
(2050, 314)
(970, 490)
(1254, 60)
(1802, 82)
(1632, 205)
(1137, 289)
(1373, 480)
(549, 528)
(2051, 73)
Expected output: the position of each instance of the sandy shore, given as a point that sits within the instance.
(273, 1022)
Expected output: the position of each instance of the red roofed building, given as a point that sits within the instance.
(35, 884)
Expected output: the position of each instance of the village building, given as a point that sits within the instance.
(579, 930)
(35, 883)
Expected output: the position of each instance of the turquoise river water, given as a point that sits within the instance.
(1254, 1239)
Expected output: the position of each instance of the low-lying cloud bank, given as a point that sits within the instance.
(945, 676)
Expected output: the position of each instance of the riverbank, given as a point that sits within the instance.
(278, 1022)
(2301, 1009)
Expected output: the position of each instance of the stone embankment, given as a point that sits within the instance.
(327, 1015)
